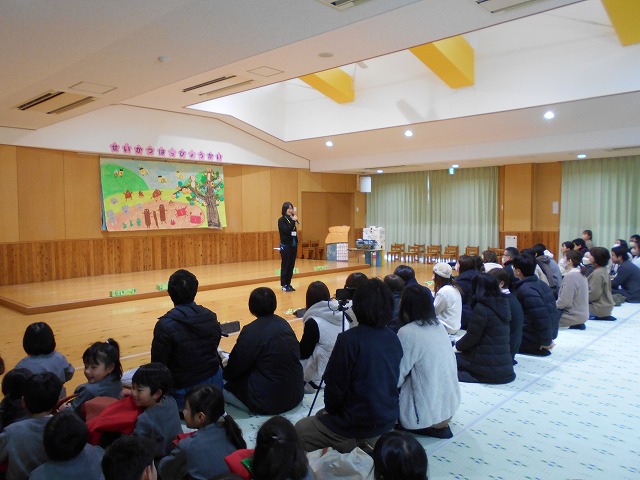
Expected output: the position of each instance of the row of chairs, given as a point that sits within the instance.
(432, 253)
(311, 249)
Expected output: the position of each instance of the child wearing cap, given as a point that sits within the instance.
(448, 301)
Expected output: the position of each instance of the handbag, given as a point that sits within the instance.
(329, 464)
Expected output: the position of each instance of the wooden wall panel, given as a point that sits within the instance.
(527, 239)
(284, 188)
(256, 199)
(309, 182)
(547, 185)
(517, 197)
(9, 213)
(335, 182)
(41, 194)
(233, 197)
(82, 196)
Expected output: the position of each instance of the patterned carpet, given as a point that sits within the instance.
(572, 415)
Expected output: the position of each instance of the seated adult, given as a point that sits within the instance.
(549, 267)
(562, 263)
(448, 300)
(264, 374)
(354, 281)
(429, 389)
(361, 378)
(507, 262)
(466, 273)
(580, 245)
(517, 314)
(573, 299)
(186, 339)
(396, 285)
(489, 261)
(539, 307)
(627, 280)
(483, 353)
(322, 324)
(600, 298)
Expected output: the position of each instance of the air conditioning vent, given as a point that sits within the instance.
(210, 82)
(343, 4)
(500, 6)
(55, 102)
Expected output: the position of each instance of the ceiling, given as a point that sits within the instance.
(143, 55)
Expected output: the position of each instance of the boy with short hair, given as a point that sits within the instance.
(71, 458)
(160, 421)
(21, 442)
(586, 236)
(129, 458)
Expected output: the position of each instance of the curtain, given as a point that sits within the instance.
(435, 208)
(600, 195)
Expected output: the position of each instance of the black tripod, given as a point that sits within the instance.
(342, 307)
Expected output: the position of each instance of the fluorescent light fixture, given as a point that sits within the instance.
(581, 155)
(455, 165)
(379, 171)
(329, 143)
(549, 115)
(408, 133)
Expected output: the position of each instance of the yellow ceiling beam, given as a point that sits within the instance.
(452, 59)
(625, 17)
(334, 83)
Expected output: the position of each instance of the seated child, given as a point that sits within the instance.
(70, 457)
(399, 456)
(40, 344)
(103, 371)
(129, 458)
(279, 452)
(11, 407)
(21, 442)
(201, 455)
(160, 421)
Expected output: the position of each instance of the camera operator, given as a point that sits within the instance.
(361, 394)
(323, 321)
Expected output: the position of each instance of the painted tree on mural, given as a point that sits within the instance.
(209, 188)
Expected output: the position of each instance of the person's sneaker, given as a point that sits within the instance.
(284, 288)
(580, 326)
(290, 288)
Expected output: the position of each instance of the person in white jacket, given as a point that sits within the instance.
(323, 322)
(448, 301)
(428, 383)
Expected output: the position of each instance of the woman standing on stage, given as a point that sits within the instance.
(288, 245)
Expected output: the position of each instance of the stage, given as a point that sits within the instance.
(60, 295)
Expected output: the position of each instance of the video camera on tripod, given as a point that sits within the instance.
(343, 296)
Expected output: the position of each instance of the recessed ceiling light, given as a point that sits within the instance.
(408, 133)
(325, 54)
(379, 171)
(329, 143)
(549, 115)
(581, 155)
(455, 165)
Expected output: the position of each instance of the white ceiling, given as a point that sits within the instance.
(48, 44)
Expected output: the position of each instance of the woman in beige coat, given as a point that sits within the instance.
(600, 298)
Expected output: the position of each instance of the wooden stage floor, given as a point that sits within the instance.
(69, 294)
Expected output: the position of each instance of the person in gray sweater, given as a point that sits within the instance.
(573, 298)
(627, 280)
(21, 443)
(70, 456)
(160, 421)
(600, 297)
